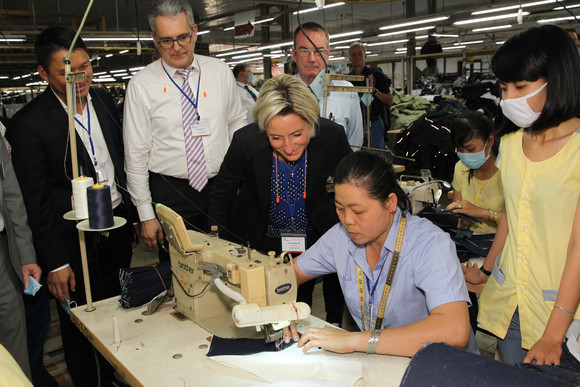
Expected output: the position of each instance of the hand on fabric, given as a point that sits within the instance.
(331, 339)
(472, 274)
(152, 232)
(59, 282)
(467, 208)
(31, 269)
(545, 351)
(290, 332)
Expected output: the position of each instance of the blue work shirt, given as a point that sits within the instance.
(428, 273)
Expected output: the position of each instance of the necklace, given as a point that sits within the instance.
(305, 155)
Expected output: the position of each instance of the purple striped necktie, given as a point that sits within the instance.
(196, 170)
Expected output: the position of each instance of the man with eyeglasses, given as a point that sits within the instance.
(180, 114)
(311, 61)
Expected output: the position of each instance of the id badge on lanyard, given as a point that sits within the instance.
(293, 241)
(101, 170)
(200, 128)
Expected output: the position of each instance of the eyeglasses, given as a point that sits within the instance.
(183, 40)
(306, 52)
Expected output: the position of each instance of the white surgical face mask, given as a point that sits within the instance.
(518, 111)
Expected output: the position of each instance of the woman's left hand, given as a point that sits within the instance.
(461, 207)
(331, 339)
(545, 351)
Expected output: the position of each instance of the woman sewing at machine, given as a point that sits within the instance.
(272, 182)
(428, 299)
(531, 299)
(477, 189)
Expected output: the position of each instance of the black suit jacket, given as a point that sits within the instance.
(38, 135)
(240, 195)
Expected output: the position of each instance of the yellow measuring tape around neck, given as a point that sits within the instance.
(386, 290)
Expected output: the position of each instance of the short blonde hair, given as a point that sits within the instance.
(283, 95)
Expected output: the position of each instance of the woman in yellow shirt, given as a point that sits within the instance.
(477, 189)
(531, 299)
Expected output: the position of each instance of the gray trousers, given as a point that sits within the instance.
(12, 318)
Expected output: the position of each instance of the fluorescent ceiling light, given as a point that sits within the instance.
(342, 47)
(276, 52)
(567, 7)
(247, 55)
(115, 39)
(345, 41)
(275, 45)
(117, 71)
(202, 32)
(413, 23)
(405, 48)
(445, 35)
(317, 9)
(25, 75)
(99, 80)
(501, 9)
(136, 68)
(556, 19)
(500, 42)
(400, 52)
(123, 51)
(101, 73)
(108, 55)
(259, 68)
(9, 38)
(421, 37)
(390, 42)
(4, 77)
(372, 55)
(489, 18)
(35, 73)
(345, 34)
(273, 55)
(127, 77)
(505, 26)
(120, 74)
(263, 20)
(406, 31)
(229, 28)
(453, 47)
(470, 42)
(230, 53)
(337, 58)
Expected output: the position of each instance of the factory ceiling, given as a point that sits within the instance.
(22, 20)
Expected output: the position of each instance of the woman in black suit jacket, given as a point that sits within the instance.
(274, 176)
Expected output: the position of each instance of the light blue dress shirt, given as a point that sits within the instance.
(428, 274)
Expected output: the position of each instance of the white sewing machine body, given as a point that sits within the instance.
(264, 281)
(422, 190)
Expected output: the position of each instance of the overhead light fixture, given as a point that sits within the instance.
(342, 47)
(341, 35)
(421, 37)
(117, 71)
(278, 45)
(453, 47)
(501, 9)
(345, 41)
(567, 7)
(229, 28)
(557, 19)
(221, 54)
(413, 23)
(273, 55)
(406, 31)
(136, 68)
(445, 35)
(115, 39)
(389, 42)
(202, 32)
(505, 26)
(123, 51)
(101, 80)
(405, 48)
(337, 58)
(97, 74)
(264, 20)
(498, 43)
(25, 75)
(372, 55)
(490, 18)
(12, 38)
(470, 42)
(4, 77)
(332, 5)
(259, 68)
(108, 55)
(247, 55)
(400, 52)
(127, 77)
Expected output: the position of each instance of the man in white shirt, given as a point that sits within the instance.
(170, 113)
(341, 107)
(248, 95)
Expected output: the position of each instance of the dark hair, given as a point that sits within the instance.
(239, 68)
(473, 124)
(543, 52)
(372, 172)
(54, 39)
(311, 27)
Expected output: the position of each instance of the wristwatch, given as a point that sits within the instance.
(374, 340)
(486, 272)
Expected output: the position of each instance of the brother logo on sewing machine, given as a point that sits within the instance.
(283, 289)
(185, 267)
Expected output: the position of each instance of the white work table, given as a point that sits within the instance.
(161, 350)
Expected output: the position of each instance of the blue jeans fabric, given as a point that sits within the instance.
(510, 348)
(377, 134)
(568, 371)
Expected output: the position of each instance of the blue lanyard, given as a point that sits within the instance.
(372, 291)
(88, 131)
(181, 90)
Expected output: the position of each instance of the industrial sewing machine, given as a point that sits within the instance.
(230, 290)
(422, 190)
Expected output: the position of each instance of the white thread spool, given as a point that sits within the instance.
(79, 188)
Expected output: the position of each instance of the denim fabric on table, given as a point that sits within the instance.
(568, 370)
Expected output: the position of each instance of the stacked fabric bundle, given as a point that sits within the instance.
(141, 284)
